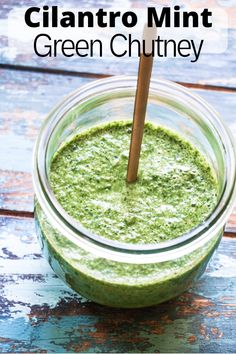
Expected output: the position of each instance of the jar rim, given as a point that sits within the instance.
(74, 230)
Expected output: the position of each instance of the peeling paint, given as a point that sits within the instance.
(226, 267)
(39, 313)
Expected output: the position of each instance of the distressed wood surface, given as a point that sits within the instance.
(38, 313)
(26, 98)
(213, 69)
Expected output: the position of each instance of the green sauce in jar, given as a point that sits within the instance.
(175, 192)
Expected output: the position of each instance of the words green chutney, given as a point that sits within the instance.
(176, 191)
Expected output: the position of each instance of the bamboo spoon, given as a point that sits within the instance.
(141, 99)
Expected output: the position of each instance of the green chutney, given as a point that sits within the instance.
(176, 191)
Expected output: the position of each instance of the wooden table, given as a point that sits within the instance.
(38, 312)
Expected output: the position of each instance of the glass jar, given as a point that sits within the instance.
(109, 272)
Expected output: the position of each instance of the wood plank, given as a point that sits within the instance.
(26, 98)
(38, 313)
(213, 69)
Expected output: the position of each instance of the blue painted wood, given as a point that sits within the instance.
(38, 313)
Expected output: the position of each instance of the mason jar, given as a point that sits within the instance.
(120, 274)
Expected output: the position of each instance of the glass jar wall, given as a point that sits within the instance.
(109, 272)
